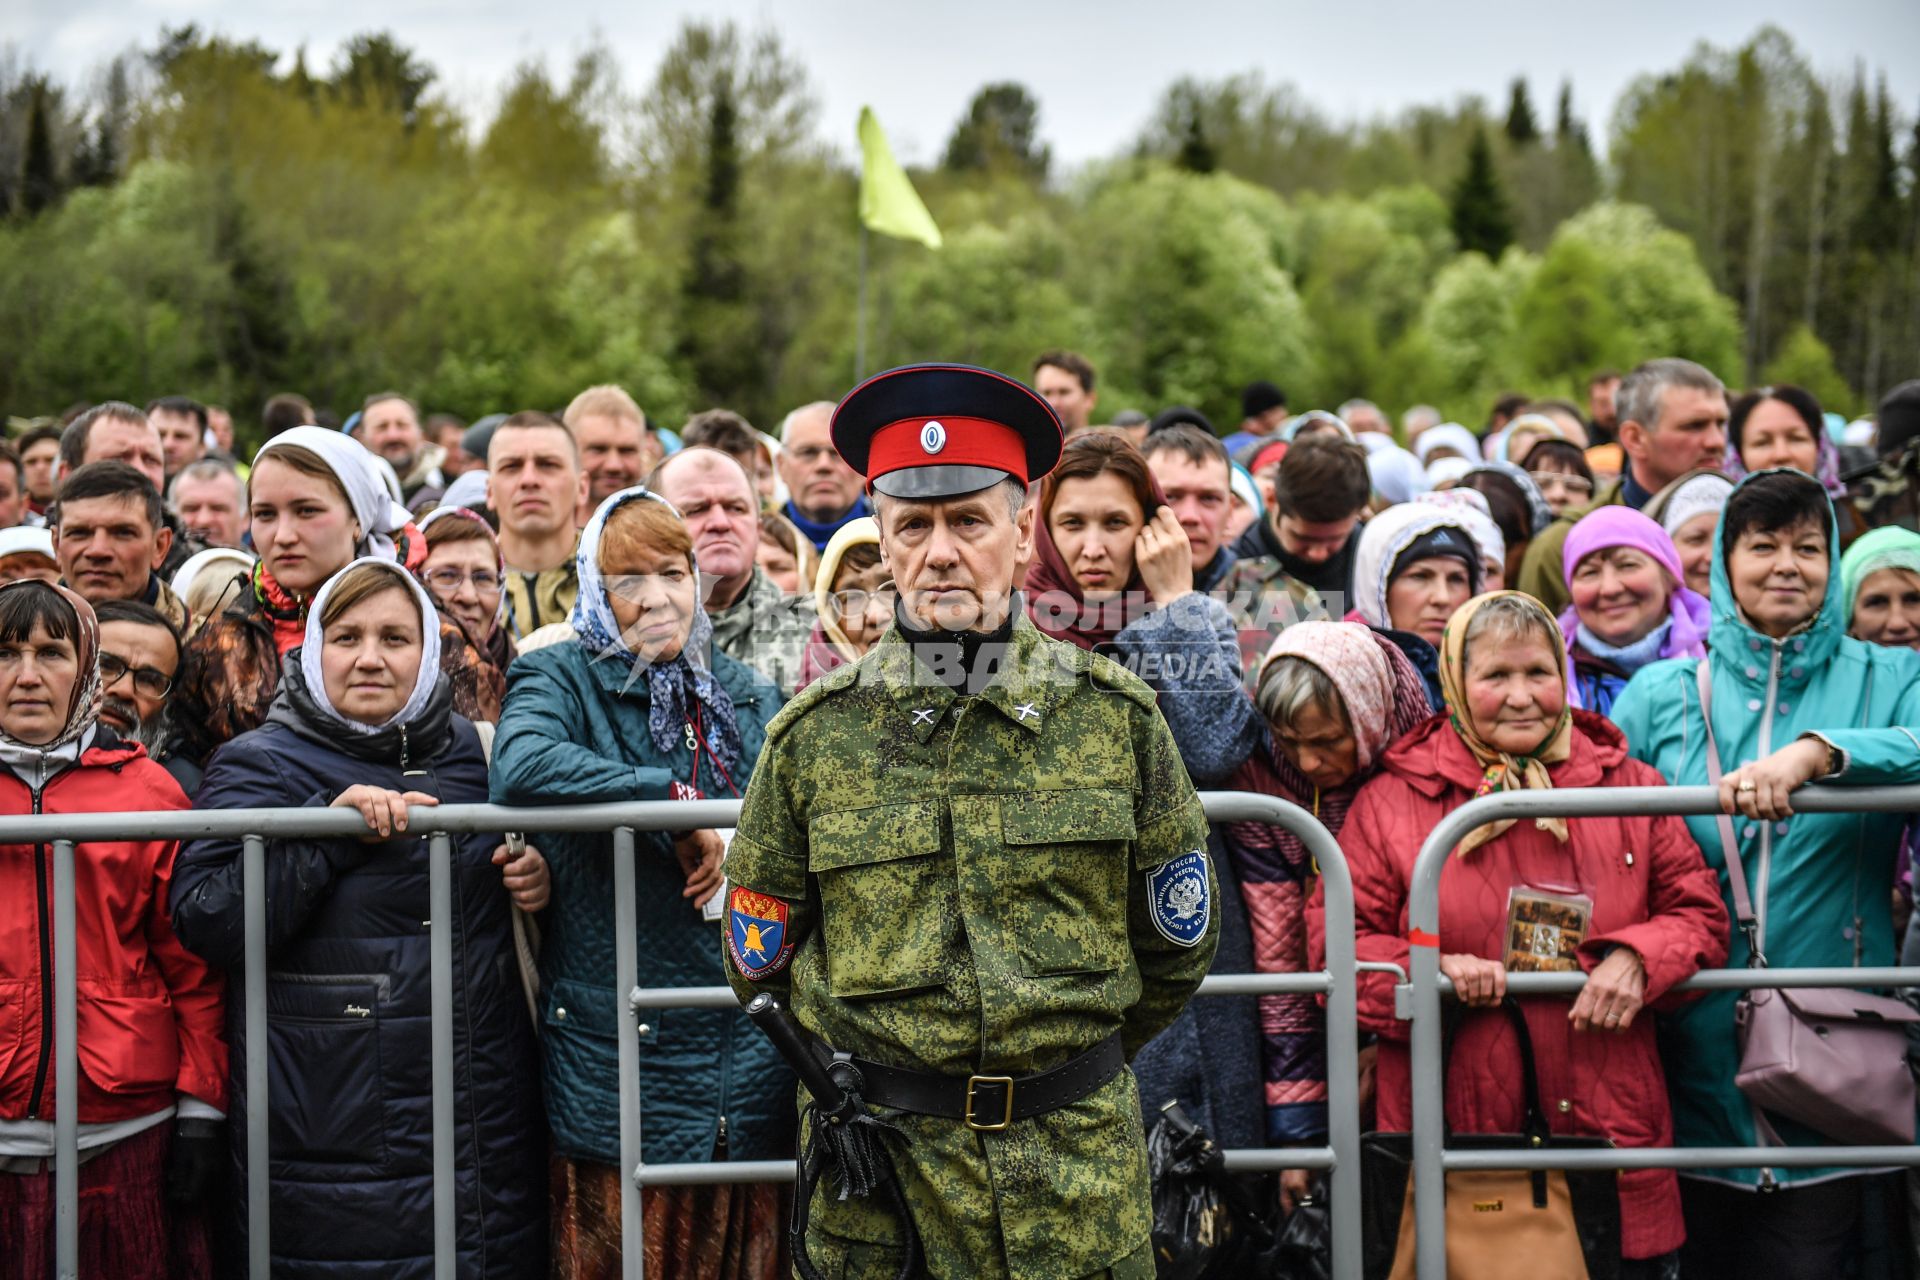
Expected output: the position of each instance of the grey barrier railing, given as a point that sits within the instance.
(1432, 1159)
(253, 827)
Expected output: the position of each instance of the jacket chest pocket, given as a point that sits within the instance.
(888, 908)
(1065, 880)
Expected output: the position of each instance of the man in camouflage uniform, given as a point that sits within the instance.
(975, 858)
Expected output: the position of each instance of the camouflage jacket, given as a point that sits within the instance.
(1263, 600)
(766, 629)
(980, 884)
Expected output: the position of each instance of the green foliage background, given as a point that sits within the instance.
(218, 220)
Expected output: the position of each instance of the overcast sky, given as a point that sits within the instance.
(1096, 68)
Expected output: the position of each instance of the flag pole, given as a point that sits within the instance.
(860, 340)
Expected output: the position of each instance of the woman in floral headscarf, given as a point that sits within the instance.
(1333, 696)
(641, 706)
(1630, 902)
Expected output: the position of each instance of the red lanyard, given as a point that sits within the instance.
(696, 743)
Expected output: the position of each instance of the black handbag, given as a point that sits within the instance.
(1494, 1215)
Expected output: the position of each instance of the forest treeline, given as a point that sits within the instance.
(214, 217)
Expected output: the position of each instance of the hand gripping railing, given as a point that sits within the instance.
(253, 828)
(1431, 1160)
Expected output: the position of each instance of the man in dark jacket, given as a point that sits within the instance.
(1319, 499)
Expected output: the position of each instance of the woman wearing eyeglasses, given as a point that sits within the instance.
(466, 575)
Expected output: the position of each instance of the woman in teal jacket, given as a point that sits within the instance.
(1794, 698)
(641, 706)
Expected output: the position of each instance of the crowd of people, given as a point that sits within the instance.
(403, 609)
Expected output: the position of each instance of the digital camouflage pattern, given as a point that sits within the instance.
(766, 629)
(967, 879)
(1263, 600)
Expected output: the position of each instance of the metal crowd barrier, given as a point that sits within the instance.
(1431, 1158)
(64, 831)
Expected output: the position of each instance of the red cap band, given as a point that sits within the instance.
(950, 441)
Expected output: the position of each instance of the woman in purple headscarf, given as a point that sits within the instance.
(1630, 604)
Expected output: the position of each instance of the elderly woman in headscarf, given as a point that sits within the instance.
(1415, 565)
(153, 1061)
(1628, 901)
(640, 705)
(1880, 586)
(1689, 510)
(466, 575)
(1113, 572)
(1333, 696)
(316, 501)
(1630, 606)
(363, 719)
(852, 600)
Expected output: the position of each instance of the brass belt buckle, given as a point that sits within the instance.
(1006, 1112)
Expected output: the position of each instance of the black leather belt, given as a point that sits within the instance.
(991, 1103)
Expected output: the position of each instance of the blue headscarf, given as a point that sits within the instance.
(674, 685)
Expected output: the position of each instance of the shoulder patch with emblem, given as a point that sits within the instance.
(1178, 898)
(757, 933)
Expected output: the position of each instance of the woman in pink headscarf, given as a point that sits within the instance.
(1332, 695)
(1630, 604)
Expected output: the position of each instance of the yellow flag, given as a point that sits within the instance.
(888, 202)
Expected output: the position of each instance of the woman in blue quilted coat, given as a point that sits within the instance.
(641, 706)
(363, 719)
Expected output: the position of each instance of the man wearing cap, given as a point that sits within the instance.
(973, 862)
(1263, 411)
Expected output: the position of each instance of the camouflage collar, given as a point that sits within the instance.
(1025, 689)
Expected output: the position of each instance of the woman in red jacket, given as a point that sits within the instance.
(1627, 900)
(153, 1064)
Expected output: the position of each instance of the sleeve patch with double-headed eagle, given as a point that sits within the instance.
(1179, 899)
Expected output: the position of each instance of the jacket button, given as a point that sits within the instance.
(559, 1015)
(1780, 828)
(1754, 645)
(1784, 708)
(1565, 1106)
(1753, 704)
(645, 1029)
(1753, 673)
(1797, 672)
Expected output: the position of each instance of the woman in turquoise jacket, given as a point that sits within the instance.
(639, 705)
(1794, 698)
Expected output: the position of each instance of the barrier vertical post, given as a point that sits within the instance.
(440, 946)
(253, 883)
(1343, 1048)
(626, 965)
(66, 1068)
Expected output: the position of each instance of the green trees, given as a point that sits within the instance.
(229, 220)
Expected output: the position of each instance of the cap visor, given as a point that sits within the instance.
(938, 481)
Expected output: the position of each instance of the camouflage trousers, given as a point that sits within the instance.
(1055, 1197)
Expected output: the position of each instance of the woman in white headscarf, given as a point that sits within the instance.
(363, 719)
(1416, 563)
(316, 501)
